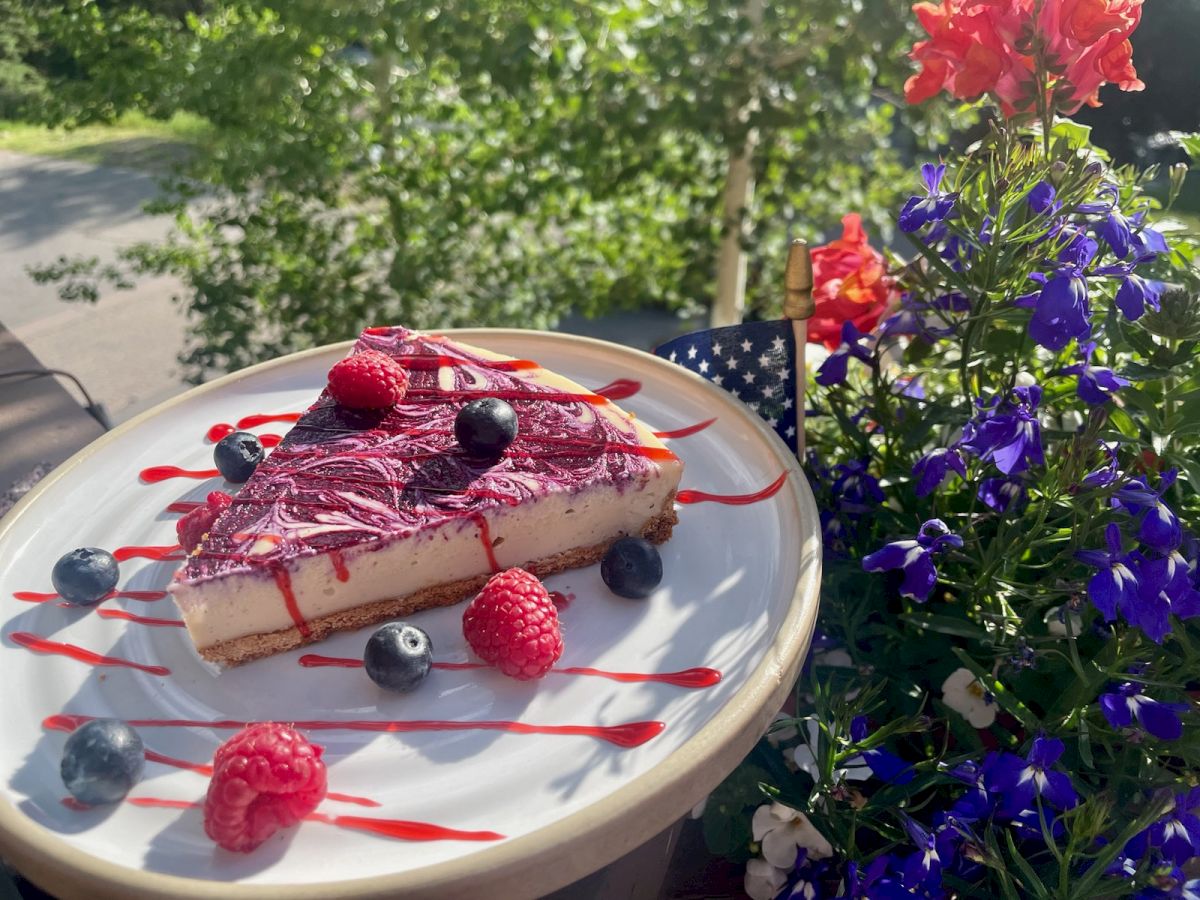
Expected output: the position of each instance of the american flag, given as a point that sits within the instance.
(755, 361)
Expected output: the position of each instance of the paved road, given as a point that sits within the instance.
(124, 347)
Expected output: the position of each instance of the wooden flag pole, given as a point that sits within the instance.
(798, 306)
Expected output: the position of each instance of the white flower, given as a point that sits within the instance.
(963, 693)
(781, 829)
(1024, 379)
(777, 736)
(763, 881)
(853, 769)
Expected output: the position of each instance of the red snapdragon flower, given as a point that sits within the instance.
(850, 284)
(978, 47)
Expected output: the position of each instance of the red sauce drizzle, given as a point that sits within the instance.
(339, 565)
(224, 429)
(263, 418)
(140, 620)
(41, 645)
(630, 734)
(40, 597)
(699, 677)
(403, 830)
(420, 363)
(684, 432)
(183, 506)
(399, 829)
(155, 474)
(620, 389)
(206, 769)
(486, 537)
(284, 581)
(167, 552)
(733, 499)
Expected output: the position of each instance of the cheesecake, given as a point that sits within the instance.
(362, 516)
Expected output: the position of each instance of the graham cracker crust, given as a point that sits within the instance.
(256, 646)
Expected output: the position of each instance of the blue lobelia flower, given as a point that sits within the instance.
(1117, 232)
(1096, 384)
(932, 468)
(1001, 493)
(1115, 586)
(923, 868)
(1164, 588)
(1041, 198)
(1126, 703)
(1170, 883)
(1177, 834)
(833, 370)
(1158, 526)
(1061, 311)
(1147, 243)
(933, 207)
(1019, 780)
(1136, 293)
(1009, 434)
(883, 764)
(1106, 473)
(914, 558)
(976, 804)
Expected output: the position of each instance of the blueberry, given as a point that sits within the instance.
(398, 656)
(84, 576)
(632, 568)
(101, 761)
(238, 455)
(485, 427)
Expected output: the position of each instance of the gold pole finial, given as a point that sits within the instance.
(798, 283)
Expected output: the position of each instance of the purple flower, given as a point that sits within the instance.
(1136, 293)
(883, 764)
(833, 370)
(933, 207)
(1106, 473)
(1170, 883)
(856, 489)
(914, 558)
(1173, 577)
(1041, 198)
(1159, 527)
(1010, 435)
(1001, 493)
(1148, 243)
(1019, 780)
(1126, 703)
(923, 868)
(1095, 384)
(1115, 586)
(1177, 834)
(1061, 311)
(1117, 232)
(931, 469)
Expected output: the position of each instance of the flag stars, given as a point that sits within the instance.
(674, 357)
(733, 363)
(787, 403)
(791, 431)
(782, 374)
(768, 391)
(691, 352)
(778, 344)
(716, 348)
(703, 366)
(746, 346)
(773, 422)
(748, 377)
(718, 380)
(764, 362)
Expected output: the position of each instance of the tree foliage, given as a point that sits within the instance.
(468, 162)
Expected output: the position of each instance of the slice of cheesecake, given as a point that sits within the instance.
(357, 517)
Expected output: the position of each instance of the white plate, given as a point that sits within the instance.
(739, 595)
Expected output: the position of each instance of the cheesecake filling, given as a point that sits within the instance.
(223, 609)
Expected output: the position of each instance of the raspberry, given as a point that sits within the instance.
(266, 777)
(368, 380)
(193, 526)
(513, 625)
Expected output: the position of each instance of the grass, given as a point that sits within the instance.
(133, 141)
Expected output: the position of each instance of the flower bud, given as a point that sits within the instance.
(1025, 379)
(1058, 168)
(1094, 169)
(1178, 316)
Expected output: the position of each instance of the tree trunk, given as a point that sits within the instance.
(730, 301)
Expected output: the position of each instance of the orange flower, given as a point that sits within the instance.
(850, 283)
(972, 50)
